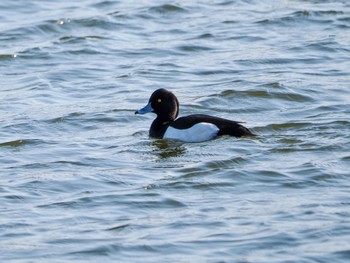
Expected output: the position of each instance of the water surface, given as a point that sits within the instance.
(80, 180)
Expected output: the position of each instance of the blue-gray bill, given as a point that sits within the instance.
(148, 108)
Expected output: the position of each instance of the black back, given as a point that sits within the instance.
(226, 127)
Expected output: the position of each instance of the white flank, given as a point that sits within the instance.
(197, 133)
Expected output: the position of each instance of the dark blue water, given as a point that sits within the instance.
(81, 181)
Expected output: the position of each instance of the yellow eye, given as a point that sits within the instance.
(159, 100)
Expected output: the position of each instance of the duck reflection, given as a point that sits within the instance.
(166, 149)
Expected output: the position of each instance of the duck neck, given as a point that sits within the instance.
(158, 127)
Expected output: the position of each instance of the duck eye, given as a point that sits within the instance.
(159, 100)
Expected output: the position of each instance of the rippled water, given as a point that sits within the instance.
(81, 181)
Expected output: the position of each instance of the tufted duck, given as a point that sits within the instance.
(192, 128)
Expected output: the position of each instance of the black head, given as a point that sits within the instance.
(163, 103)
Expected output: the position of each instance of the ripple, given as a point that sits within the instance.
(24, 142)
(119, 227)
(193, 48)
(167, 9)
(264, 94)
(7, 56)
(42, 29)
(317, 13)
(105, 5)
(15, 143)
(94, 22)
(73, 39)
(204, 36)
(302, 16)
(284, 126)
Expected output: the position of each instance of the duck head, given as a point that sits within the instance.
(163, 103)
